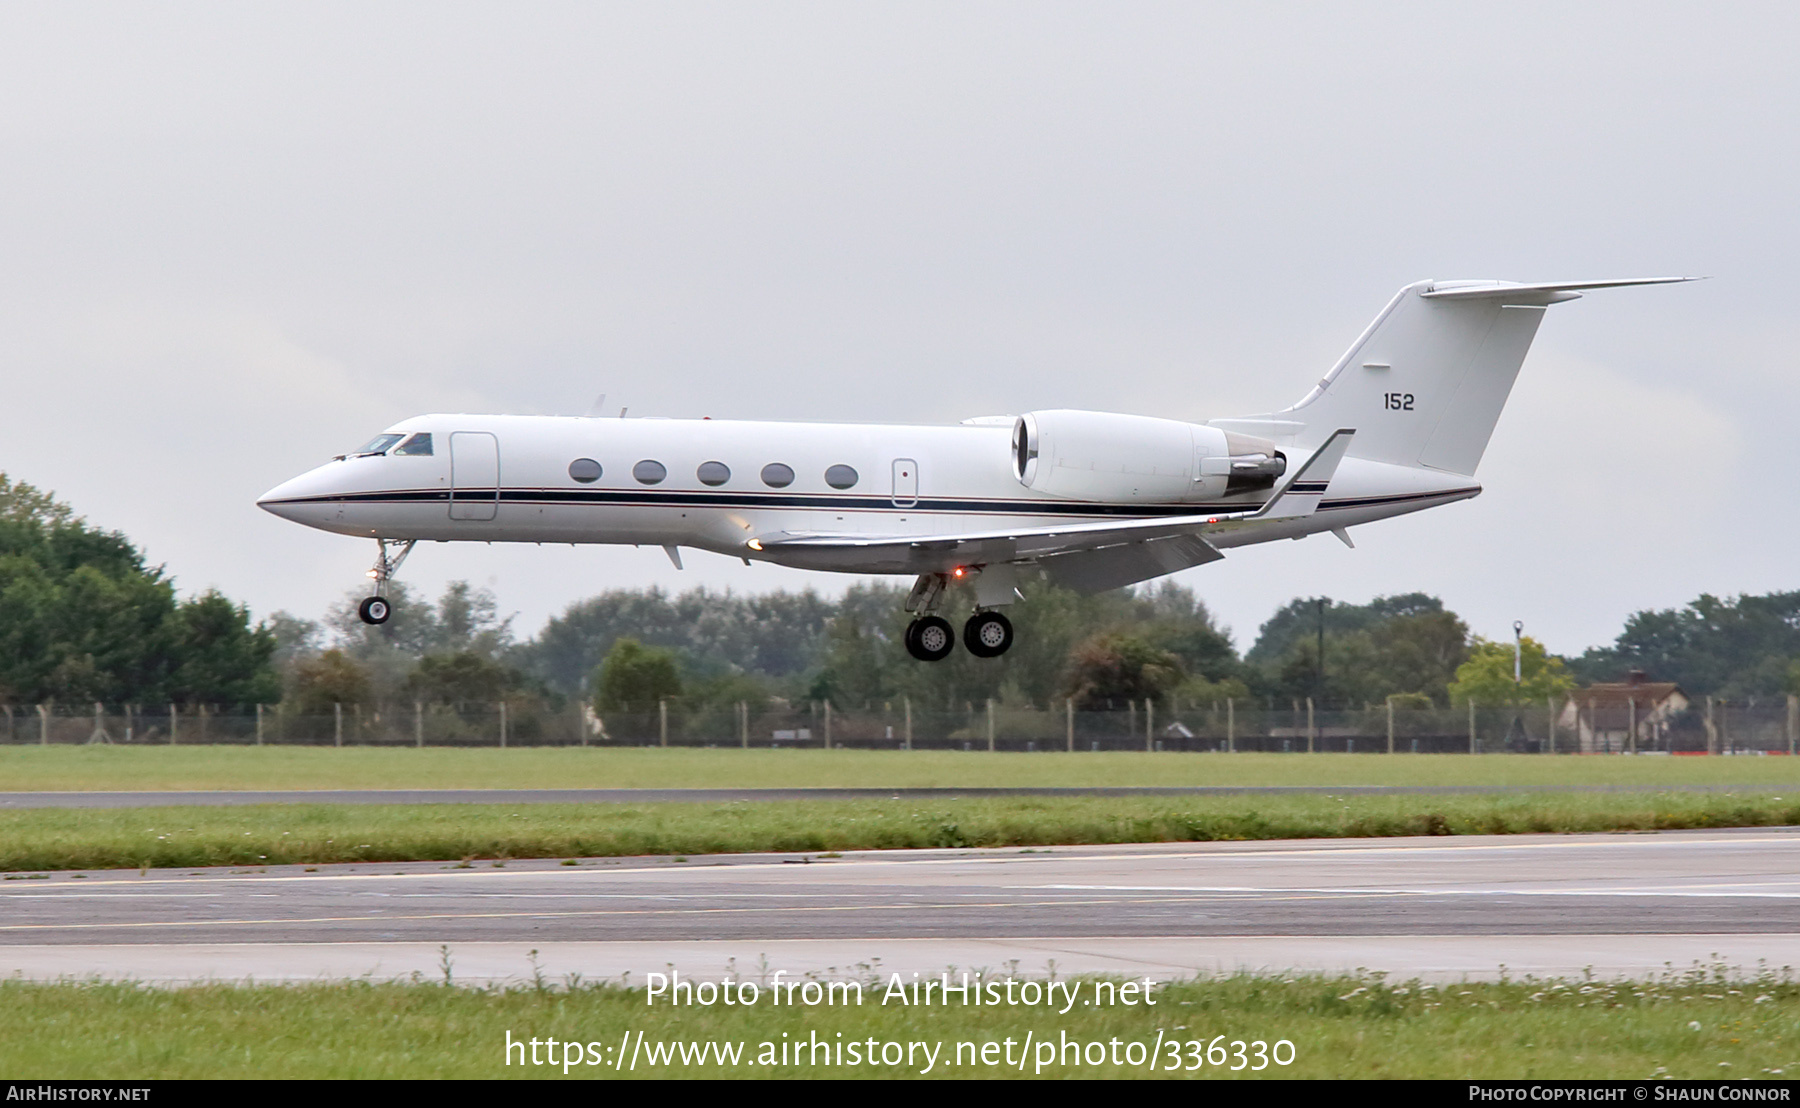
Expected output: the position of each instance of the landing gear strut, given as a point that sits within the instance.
(375, 610)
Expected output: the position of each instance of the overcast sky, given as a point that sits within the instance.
(238, 239)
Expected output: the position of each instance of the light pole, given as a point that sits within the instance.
(1518, 723)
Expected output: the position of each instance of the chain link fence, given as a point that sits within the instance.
(1563, 727)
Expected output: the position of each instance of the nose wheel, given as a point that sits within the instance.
(929, 639)
(988, 634)
(375, 610)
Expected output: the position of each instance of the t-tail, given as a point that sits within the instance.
(1424, 384)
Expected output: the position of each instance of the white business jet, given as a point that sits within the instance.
(1089, 500)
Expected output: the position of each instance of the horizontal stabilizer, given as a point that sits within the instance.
(1547, 292)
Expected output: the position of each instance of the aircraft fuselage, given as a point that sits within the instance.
(516, 479)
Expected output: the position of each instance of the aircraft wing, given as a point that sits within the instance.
(1089, 557)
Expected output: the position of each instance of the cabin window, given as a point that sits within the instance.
(713, 473)
(840, 477)
(419, 446)
(777, 476)
(585, 470)
(378, 444)
(649, 473)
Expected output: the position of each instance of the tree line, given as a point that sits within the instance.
(83, 617)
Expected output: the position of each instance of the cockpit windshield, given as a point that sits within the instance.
(377, 445)
(419, 446)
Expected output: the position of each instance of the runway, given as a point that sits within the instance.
(1409, 906)
(170, 798)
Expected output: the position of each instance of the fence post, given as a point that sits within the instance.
(503, 725)
(174, 714)
(827, 725)
(43, 725)
(419, 724)
(1550, 728)
(1390, 708)
(1631, 735)
(743, 722)
(1230, 726)
(1793, 720)
(907, 700)
(990, 724)
(662, 721)
(1472, 747)
(1149, 725)
(1069, 721)
(337, 723)
(1311, 730)
(259, 725)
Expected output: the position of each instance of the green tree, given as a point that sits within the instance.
(1732, 647)
(327, 679)
(1487, 677)
(82, 618)
(1394, 644)
(223, 659)
(1114, 667)
(635, 676)
(462, 678)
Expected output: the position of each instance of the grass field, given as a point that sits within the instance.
(53, 838)
(74, 768)
(1696, 1024)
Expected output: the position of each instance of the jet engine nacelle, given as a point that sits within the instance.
(1136, 459)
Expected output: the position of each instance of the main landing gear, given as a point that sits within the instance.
(987, 634)
(929, 638)
(375, 610)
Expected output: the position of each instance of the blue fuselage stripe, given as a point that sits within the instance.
(626, 498)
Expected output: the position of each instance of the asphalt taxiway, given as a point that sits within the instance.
(1624, 903)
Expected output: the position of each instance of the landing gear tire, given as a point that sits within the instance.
(988, 634)
(929, 639)
(374, 611)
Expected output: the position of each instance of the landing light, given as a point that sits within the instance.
(957, 572)
(371, 575)
(754, 544)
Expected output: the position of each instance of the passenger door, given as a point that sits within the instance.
(474, 475)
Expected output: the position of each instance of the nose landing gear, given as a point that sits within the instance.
(375, 610)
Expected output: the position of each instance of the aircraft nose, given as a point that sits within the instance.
(303, 499)
(282, 500)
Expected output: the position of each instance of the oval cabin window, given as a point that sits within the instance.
(585, 470)
(777, 476)
(649, 473)
(713, 473)
(840, 477)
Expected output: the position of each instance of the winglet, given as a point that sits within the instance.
(1303, 491)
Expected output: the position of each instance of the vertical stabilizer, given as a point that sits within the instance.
(1424, 385)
